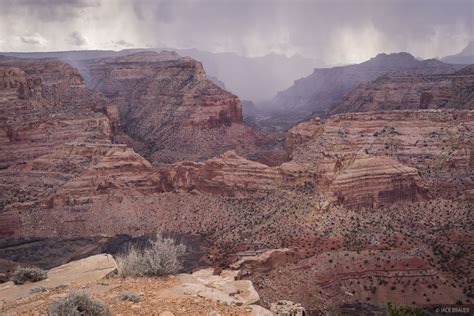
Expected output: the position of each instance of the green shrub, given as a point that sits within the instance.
(78, 304)
(160, 258)
(23, 274)
(403, 310)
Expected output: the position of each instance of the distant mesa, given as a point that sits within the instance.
(325, 88)
(411, 89)
(466, 56)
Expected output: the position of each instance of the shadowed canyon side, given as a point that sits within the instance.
(169, 108)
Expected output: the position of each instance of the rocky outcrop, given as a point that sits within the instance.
(325, 87)
(287, 308)
(411, 90)
(364, 181)
(73, 177)
(368, 181)
(303, 132)
(232, 175)
(44, 104)
(15, 85)
(94, 170)
(438, 143)
(224, 287)
(169, 107)
(79, 272)
(227, 173)
(59, 80)
(199, 293)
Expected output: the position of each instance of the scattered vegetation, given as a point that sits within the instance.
(38, 290)
(32, 274)
(78, 304)
(161, 257)
(403, 310)
(130, 296)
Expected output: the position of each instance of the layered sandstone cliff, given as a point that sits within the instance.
(68, 182)
(325, 87)
(45, 104)
(365, 181)
(303, 133)
(438, 143)
(355, 204)
(412, 90)
(232, 175)
(15, 85)
(59, 80)
(169, 107)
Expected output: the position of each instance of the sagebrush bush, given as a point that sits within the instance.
(32, 274)
(78, 304)
(160, 258)
(130, 296)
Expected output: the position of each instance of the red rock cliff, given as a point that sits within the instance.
(169, 108)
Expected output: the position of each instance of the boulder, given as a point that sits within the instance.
(79, 272)
(223, 288)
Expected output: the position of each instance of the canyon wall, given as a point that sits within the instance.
(438, 143)
(44, 104)
(371, 206)
(325, 88)
(169, 108)
(412, 90)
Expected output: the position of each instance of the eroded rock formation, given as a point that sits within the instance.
(325, 87)
(412, 90)
(437, 143)
(169, 107)
(45, 104)
(371, 207)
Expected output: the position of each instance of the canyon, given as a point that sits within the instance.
(318, 93)
(412, 90)
(169, 108)
(366, 207)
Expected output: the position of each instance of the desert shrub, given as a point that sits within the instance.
(23, 274)
(78, 304)
(160, 258)
(38, 290)
(130, 296)
(403, 310)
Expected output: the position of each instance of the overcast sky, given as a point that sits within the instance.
(337, 31)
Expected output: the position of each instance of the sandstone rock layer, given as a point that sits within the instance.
(169, 107)
(412, 90)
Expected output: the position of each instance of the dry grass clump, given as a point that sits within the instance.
(23, 274)
(160, 258)
(78, 304)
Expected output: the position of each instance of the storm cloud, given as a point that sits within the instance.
(337, 31)
(77, 39)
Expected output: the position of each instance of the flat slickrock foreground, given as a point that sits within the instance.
(199, 293)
